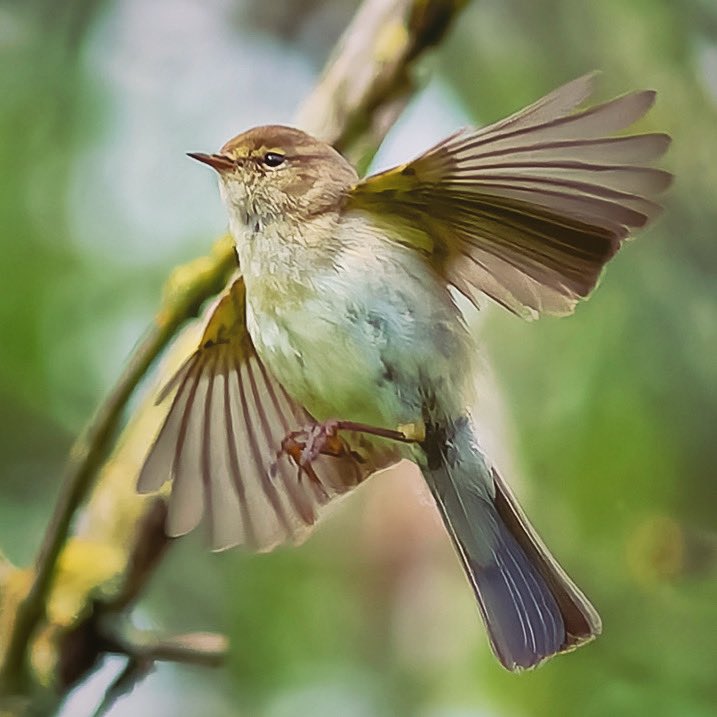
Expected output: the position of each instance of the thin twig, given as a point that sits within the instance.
(134, 670)
(208, 649)
(205, 649)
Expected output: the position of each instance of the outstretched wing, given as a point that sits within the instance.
(527, 210)
(226, 421)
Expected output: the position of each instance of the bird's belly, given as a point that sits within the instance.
(363, 352)
(329, 369)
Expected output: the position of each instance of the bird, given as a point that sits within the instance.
(339, 348)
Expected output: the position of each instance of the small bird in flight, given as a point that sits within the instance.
(340, 345)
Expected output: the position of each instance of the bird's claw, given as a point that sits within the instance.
(306, 445)
(323, 439)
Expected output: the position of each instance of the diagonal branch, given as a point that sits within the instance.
(182, 300)
(369, 78)
(364, 88)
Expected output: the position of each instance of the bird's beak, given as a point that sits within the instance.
(220, 162)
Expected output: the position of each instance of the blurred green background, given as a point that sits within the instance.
(605, 421)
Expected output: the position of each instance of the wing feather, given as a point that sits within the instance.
(226, 420)
(597, 121)
(224, 510)
(272, 416)
(156, 468)
(260, 452)
(528, 210)
(185, 510)
(557, 103)
(632, 149)
(247, 532)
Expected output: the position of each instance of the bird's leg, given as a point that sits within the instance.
(323, 439)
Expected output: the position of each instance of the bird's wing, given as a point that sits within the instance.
(227, 417)
(529, 209)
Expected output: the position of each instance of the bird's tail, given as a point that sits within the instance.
(531, 608)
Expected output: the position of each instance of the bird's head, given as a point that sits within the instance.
(279, 173)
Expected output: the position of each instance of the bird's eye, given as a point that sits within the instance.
(273, 159)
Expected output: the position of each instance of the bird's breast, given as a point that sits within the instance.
(365, 338)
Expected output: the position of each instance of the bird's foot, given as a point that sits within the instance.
(323, 439)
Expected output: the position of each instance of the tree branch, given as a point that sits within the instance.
(369, 78)
(185, 291)
(364, 88)
(206, 649)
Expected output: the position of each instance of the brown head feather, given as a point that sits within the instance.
(290, 141)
